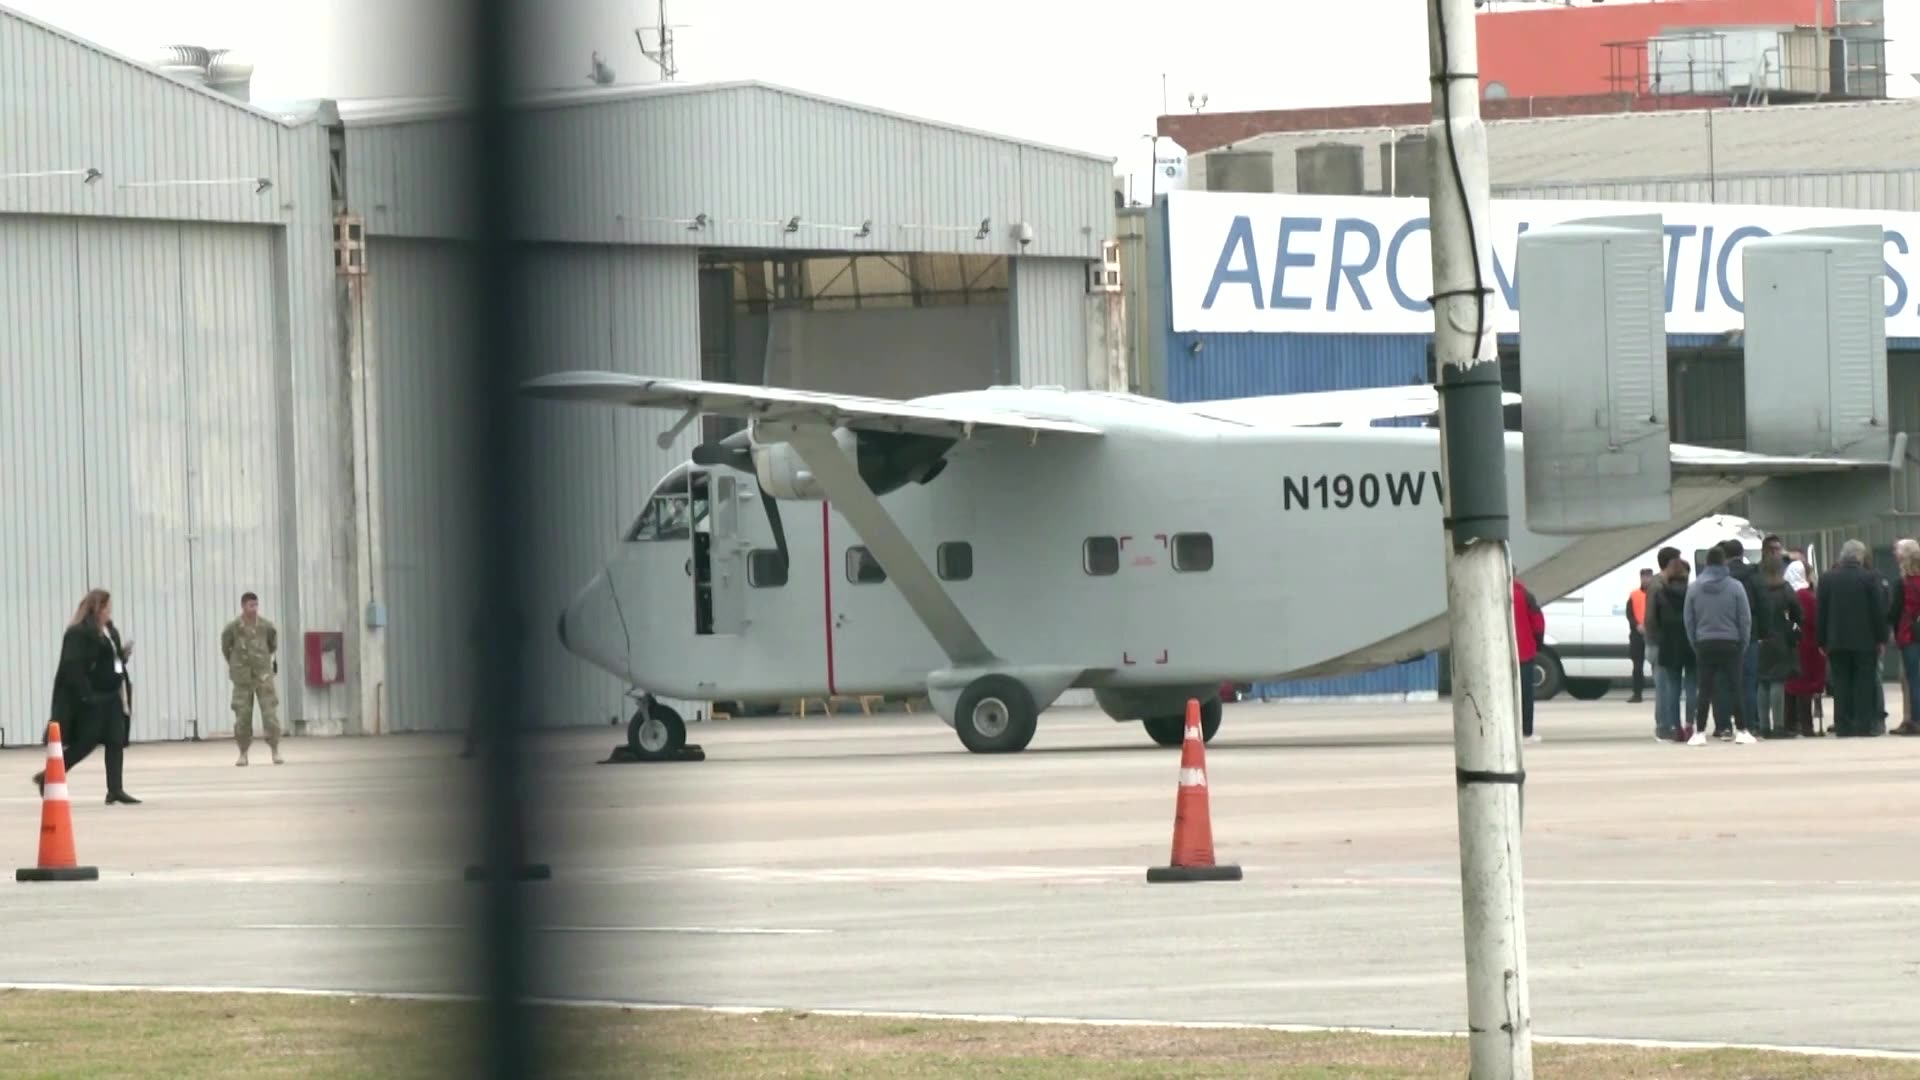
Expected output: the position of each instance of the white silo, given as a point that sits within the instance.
(361, 49)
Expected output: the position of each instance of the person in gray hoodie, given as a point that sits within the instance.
(1719, 626)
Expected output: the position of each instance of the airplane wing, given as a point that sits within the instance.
(1331, 408)
(777, 403)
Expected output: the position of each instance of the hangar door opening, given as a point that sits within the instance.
(146, 442)
(883, 325)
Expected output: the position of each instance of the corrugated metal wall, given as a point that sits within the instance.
(1051, 313)
(1207, 367)
(66, 105)
(143, 436)
(168, 152)
(430, 409)
(1883, 189)
(604, 298)
(1830, 137)
(616, 309)
(615, 171)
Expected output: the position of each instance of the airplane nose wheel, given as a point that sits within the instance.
(656, 732)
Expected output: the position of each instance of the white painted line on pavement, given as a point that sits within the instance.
(978, 1018)
(750, 931)
(984, 874)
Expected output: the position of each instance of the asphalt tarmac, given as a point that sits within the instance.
(1756, 894)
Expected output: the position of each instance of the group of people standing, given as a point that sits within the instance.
(1759, 646)
(93, 692)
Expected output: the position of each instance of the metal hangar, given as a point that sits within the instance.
(736, 231)
(238, 353)
(173, 421)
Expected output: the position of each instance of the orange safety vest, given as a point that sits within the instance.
(1637, 602)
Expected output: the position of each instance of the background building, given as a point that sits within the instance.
(1793, 49)
(174, 419)
(1717, 167)
(819, 245)
(238, 348)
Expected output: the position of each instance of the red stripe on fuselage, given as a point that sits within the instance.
(826, 581)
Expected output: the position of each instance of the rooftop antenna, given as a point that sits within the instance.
(662, 53)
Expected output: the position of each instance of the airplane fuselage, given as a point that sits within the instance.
(1174, 552)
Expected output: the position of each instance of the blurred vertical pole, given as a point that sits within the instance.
(1488, 769)
(495, 275)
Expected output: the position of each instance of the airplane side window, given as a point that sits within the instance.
(766, 569)
(1100, 556)
(863, 568)
(1192, 552)
(956, 560)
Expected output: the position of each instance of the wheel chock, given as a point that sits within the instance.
(623, 755)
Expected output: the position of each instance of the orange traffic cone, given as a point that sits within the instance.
(1192, 819)
(57, 859)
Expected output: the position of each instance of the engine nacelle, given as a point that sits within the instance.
(783, 473)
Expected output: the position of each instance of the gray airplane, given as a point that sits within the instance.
(995, 548)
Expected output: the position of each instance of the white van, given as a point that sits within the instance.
(1586, 651)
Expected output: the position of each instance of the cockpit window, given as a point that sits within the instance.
(675, 509)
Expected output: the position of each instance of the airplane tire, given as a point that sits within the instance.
(995, 715)
(656, 733)
(1172, 730)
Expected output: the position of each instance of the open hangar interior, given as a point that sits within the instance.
(740, 232)
(174, 417)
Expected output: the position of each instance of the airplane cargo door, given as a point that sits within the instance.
(727, 554)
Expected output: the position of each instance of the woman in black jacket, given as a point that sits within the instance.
(87, 689)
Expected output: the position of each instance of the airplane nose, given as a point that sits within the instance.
(594, 628)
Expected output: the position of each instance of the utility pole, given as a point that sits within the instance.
(1486, 670)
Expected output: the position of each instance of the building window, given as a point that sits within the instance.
(766, 569)
(955, 559)
(863, 568)
(1192, 552)
(1100, 555)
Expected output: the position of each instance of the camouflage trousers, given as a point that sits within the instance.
(246, 691)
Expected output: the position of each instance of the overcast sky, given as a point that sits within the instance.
(1085, 74)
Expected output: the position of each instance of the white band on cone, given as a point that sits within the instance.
(56, 793)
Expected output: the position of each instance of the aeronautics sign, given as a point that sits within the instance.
(1340, 264)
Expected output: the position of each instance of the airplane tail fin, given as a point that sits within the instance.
(1816, 367)
(1594, 414)
(1593, 347)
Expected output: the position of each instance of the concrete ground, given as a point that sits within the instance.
(1746, 894)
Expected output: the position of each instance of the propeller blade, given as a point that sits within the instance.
(772, 506)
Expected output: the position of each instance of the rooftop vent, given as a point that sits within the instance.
(218, 69)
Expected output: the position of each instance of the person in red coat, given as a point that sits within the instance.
(1529, 630)
(1807, 687)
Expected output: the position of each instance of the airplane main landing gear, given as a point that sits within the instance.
(995, 715)
(1172, 730)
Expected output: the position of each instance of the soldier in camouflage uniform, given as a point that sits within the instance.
(251, 646)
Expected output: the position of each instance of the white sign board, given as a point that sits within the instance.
(1344, 264)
